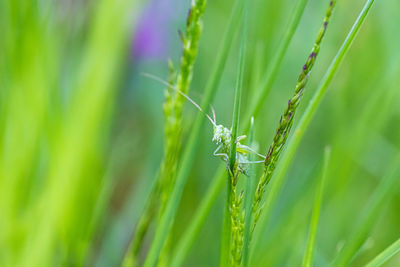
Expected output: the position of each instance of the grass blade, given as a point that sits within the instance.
(231, 192)
(258, 99)
(305, 120)
(384, 191)
(189, 236)
(286, 121)
(385, 255)
(188, 157)
(190, 150)
(248, 201)
(308, 256)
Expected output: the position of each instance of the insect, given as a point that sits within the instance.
(221, 136)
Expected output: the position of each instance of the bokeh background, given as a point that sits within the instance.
(81, 129)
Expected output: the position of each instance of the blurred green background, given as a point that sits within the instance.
(81, 129)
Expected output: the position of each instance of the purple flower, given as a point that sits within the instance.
(152, 36)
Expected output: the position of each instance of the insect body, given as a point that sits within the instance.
(222, 137)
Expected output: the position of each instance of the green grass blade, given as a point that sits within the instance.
(286, 121)
(258, 99)
(190, 234)
(385, 255)
(384, 191)
(248, 201)
(305, 120)
(226, 228)
(190, 149)
(238, 93)
(213, 82)
(308, 256)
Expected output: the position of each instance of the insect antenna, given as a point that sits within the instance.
(151, 76)
(213, 112)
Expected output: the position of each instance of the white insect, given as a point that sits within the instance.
(222, 136)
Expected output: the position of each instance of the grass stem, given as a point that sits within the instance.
(385, 255)
(305, 121)
(308, 256)
(248, 201)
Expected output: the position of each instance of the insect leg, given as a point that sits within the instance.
(252, 150)
(213, 113)
(253, 162)
(224, 155)
(239, 138)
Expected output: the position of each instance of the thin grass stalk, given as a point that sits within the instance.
(174, 101)
(187, 160)
(270, 75)
(305, 121)
(166, 221)
(236, 232)
(173, 116)
(248, 201)
(238, 93)
(286, 121)
(190, 234)
(384, 191)
(161, 187)
(385, 255)
(145, 219)
(74, 141)
(232, 219)
(226, 227)
(190, 149)
(308, 256)
(172, 121)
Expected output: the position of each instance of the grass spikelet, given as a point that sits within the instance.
(174, 101)
(211, 194)
(233, 220)
(189, 152)
(96, 171)
(306, 118)
(286, 121)
(172, 114)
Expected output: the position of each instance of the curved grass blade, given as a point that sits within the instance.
(286, 121)
(248, 201)
(191, 234)
(385, 255)
(190, 149)
(308, 256)
(305, 120)
(384, 191)
(227, 242)
(271, 73)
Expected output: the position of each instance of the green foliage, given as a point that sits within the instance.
(309, 254)
(52, 151)
(385, 255)
(173, 125)
(382, 193)
(306, 118)
(271, 73)
(248, 202)
(233, 238)
(286, 121)
(89, 176)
